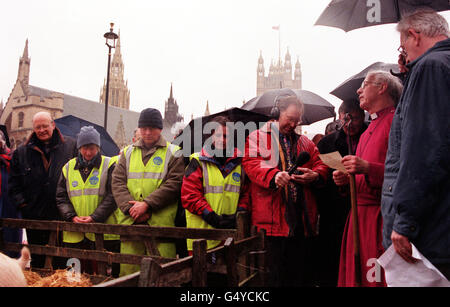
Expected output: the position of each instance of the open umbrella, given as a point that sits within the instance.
(353, 14)
(347, 90)
(316, 107)
(70, 126)
(194, 134)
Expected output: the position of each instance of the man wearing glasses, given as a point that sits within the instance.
(282, 203)
(416, 188)
(377, 95)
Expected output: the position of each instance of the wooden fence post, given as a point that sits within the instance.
(231, 263)
(242, 227)
(51, 242)
(150, 271)
(99, 245)
(199, 272)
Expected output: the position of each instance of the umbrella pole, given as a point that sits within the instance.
(354, 211)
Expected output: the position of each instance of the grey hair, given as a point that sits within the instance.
(394, 85)
(284, 102)
(425, 21)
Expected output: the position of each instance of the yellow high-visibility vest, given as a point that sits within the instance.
(222, 194)
(142, 180)
(85, 196)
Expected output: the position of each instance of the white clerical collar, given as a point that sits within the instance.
(373, 116)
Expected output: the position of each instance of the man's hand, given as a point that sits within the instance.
(138, 209)
(282, 179)
(340, 178)
(402, 246)
(143, 218)
(82, 219)
(355, 165)
(308, 176)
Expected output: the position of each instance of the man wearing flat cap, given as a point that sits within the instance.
(146, 185)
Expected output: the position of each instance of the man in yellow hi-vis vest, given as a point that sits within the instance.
(213, 187)
(83, 195)
(146, 185)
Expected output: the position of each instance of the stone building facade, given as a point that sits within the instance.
(25, 100)
(280, 75)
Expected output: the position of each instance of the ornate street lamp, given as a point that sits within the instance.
(111, 38)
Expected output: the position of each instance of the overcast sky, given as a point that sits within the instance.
(208, 49)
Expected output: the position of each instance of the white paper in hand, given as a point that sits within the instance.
(399, 273)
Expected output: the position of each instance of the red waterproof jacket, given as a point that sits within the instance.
(192, 196)
(261, 164)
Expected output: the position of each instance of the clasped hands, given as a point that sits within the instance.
(308, 176)
(139, 211)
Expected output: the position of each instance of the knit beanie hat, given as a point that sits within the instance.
(150, 118)
(88, 135)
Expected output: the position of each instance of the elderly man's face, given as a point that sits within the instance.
(289, 119)
(368, 93)
(43, 127)
(408, 44)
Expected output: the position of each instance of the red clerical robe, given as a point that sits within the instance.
(372, 147)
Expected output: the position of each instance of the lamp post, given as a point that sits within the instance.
(111, 43)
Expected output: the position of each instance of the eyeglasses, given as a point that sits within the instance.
(401, 49)
(365, 83)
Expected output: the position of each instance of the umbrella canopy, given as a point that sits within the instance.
(193, 137)
(353, 14)
(316, 107)
(70, 126)
(347, 90)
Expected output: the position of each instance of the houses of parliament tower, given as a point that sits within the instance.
(119, 94)
(280, 75)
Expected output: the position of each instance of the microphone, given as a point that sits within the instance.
(302, 158)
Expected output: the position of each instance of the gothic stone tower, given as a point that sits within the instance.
(171, 115)
(119, 95)
(26, 100)
(280, 75)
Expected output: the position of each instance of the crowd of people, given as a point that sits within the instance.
(399, 162)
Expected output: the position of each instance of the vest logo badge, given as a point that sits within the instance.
(236, 177)
(158, 161)
(75, 183)
(93, 180)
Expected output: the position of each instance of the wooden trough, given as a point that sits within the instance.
(241, 258)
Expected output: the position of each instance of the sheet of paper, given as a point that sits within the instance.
(333, 160)
(400, 273)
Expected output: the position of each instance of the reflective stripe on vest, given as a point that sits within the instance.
(222, 194)
(85, 196)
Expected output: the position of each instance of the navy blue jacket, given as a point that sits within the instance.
(416, 189)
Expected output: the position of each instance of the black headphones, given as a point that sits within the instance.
(275, 111)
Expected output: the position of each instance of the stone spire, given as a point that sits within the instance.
(207, 109)
(24, 67)
(119, 95)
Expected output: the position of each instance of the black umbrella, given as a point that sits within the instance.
(194, 134)
(353, 14)
(70, 126)
(347, 90)
(316, 107)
